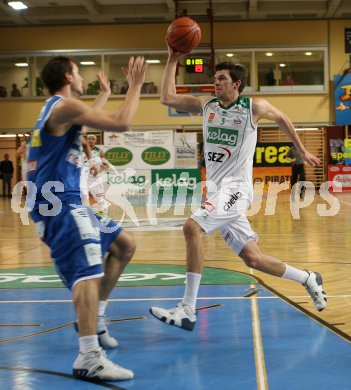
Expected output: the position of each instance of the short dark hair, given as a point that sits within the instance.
(53, 73)
(236, 71)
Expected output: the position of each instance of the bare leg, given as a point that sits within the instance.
(194, 246)
(85, 300)
(256, 259)
(312, 281)
(120, 253)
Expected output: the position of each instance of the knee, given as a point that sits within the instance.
(130, 249)
(253, 259)
(191, 229)
(124, 251)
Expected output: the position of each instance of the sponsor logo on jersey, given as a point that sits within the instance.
(232, 200)
(208, 206)
(221, 136)
(36, 140)
(218, 156)
(30, 166)
(228, 237)
(211, 117)
(237, 120)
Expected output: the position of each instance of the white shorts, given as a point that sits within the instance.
(225, 211)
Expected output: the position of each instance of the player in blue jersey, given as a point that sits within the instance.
(78, 240)
(230, 135)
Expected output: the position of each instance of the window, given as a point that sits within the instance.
(14, 77)
(271, 70)
(287, 70)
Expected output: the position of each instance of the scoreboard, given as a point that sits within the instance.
(194, 65)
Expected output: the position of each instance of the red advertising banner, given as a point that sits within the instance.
(340, 176)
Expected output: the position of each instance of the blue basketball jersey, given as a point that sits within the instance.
(53, 159)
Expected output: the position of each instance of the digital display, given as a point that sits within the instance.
(194, 65)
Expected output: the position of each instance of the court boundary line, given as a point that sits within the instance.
(261, 372)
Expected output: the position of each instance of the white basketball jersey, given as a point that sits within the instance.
(95, 154)
(230, 138)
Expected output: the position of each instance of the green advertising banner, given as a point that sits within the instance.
(137, 157)
(176, 181)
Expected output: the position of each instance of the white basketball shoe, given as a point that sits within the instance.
(181, 316)
(314, 287)
(95, 365)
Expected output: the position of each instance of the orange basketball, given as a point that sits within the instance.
(183, 35)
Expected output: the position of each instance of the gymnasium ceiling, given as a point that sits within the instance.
(68, 12)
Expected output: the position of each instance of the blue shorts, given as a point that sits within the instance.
(78, 240)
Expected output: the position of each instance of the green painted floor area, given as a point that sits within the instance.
(134, 275)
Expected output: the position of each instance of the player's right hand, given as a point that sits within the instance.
(173, 53)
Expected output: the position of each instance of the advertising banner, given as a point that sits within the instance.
(131, 138)
(270, 164)
(342, 95)
(176, 181)
(340, 151)
(140, 157)
(269, 175)
(340, 176)
(185, 150)
(129, 182)
(271, 154)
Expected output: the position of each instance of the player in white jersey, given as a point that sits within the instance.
(230, 133)
(95, 180)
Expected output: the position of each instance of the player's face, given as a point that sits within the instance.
(91, 141)
(224, 85)
(77, 83)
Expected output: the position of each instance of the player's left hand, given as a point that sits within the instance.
(104, 82)
(311, 158)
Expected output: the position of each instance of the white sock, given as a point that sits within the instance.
(191, 289)
(88, 344)
(295, 274)
(102, 308)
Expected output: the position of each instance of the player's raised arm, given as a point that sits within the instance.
(169, 96)
(262, 109)
(71, 111)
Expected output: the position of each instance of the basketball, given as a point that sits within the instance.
(183, 35)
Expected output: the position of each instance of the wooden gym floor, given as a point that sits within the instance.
(315, 242)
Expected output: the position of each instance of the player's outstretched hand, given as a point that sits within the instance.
(104, 82)
(311, 159)
(135, 73)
